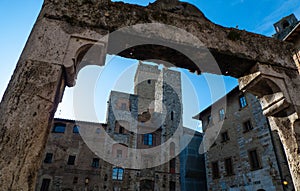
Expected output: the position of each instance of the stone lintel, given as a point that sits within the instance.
(236, 51)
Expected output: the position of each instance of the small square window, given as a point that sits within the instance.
(225, 136)
(48, 158)
(247, 126)
(117, 173)
(243, 101)
(148, 139)
(59, 128)
(149, 81)
(95, 162)
(76, 129)
(71, 160)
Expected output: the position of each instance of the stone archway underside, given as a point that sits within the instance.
(47, 65)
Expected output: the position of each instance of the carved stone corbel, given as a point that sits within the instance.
(271, 88)
(82, 51)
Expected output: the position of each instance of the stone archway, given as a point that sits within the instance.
(64, 30)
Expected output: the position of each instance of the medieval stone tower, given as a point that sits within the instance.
(159, 92)
(147, 120)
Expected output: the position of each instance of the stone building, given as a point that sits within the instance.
(285, 26)
(65, 30)
(192, 164)
(288, 29)
(244, 154)
(126, 153)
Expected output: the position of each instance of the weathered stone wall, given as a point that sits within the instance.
(19, 137)
(277, 89)
(282, 160)
(116, 113)
(296, 54)
(100, 178)
(144, 85)
(239, 144)
(225, 43)
(64, 27)
(30, 101)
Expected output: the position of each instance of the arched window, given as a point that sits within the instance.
(119, 151)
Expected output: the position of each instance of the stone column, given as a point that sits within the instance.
(278, 89)
(26, 112)
(29, 103)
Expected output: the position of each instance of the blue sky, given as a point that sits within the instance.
(17, 19)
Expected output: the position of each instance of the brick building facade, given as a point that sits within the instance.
(93, 156)
(244, 154)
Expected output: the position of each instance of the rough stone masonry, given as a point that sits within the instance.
(65, 30)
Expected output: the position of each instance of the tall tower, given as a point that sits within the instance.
(145, 80)
(160, 114)
(168, 97)
(285, 26)
(159, 92)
